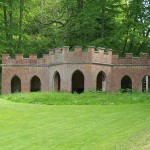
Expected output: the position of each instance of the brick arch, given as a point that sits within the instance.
(146, 83)
(57, 81)
(126, 83)
(15, 84)
(77, 81)
(101, 81)
(35, 84)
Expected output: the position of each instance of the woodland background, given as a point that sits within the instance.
(35, 26)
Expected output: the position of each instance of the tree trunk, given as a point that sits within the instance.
(20, 23)
(103, 23)
(80, 4)
(11, 20)
(124, 47)
(5, 21)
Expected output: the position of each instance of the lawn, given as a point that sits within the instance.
(105, 125)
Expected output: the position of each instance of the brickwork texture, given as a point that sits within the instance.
(74, 71)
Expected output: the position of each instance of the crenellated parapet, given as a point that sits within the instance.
(62, 55)
(78, 55)
(20, 60)
(130, 59)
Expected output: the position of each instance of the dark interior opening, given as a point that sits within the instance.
(101, 82)
(77, 82)
(35, 84)
(57, 82)
(126, 84)
(146, 84)
(15, 84)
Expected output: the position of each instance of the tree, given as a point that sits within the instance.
(20, 23)
(35, 26)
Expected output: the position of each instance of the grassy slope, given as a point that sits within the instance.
(93, 127)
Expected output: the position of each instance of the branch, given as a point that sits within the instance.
(51, 21)
(54, 21)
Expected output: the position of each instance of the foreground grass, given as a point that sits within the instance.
(87, 98)
(110, 126)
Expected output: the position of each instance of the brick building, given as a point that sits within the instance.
(64, 70)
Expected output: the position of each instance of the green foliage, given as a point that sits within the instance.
(87, 98)
(117, 24)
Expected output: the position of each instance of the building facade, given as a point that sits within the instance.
(75, 71)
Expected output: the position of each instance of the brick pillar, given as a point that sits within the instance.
(33, 56)
(78, 48)
(65, 49)
(5, 58)
(19, 57)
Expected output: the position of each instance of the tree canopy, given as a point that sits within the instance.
(36, 26)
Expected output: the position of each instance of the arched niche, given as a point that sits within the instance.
(35, 84)
(15, 84)
(126, 83)
(77, 82)
(56, 81)
(146, 84)
(101, 81)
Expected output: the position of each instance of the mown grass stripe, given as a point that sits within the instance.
(72, 127)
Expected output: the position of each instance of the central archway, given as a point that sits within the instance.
(101, 82)
(77, 82)
(126, 83)
(35, 84)
(15, 84)
(57, 81)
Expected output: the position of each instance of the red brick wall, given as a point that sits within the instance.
(90, 63)
(25, 74)
(136, 73)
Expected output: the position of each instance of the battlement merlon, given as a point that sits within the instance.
(64, 55)
(78, 48)
(5, 57)
(33, 57)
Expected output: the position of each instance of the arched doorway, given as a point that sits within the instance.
(35, 84)
(77, 82)
(101, 82)
(146, 84)
(15, 84)
(57, 81)
(126, 83)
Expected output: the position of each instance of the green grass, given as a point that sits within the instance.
(87, 98)
(119, 122)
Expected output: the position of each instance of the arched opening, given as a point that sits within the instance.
(57, 81)
(15, 84)
(101, 82)
(35, 84)
(77, 82)
(126, 84)
(146, 84)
